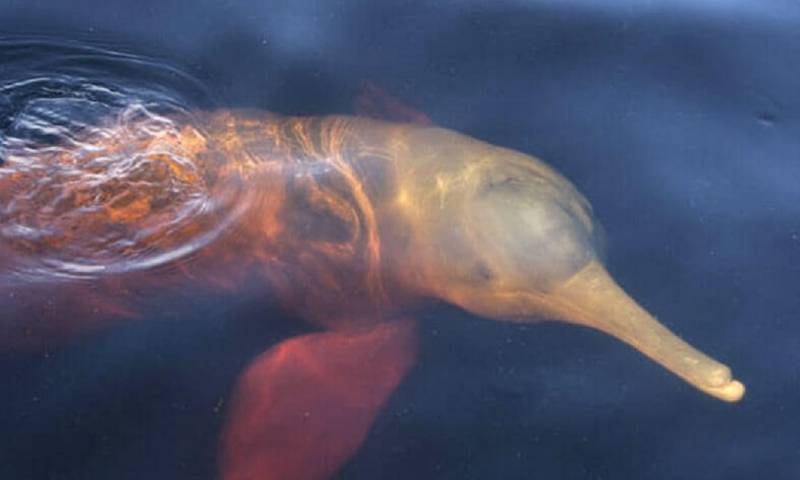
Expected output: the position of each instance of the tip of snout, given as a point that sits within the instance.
(719, 383)
(732, 391)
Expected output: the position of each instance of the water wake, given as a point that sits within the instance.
(101, 161)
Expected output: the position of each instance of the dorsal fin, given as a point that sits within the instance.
(375, 102)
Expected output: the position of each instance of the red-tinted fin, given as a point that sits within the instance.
(302, 409)
(375, 102)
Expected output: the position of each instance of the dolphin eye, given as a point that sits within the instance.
(481, 272)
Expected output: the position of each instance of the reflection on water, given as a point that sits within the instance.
(101, 170)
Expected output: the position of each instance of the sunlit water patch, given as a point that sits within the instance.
(99, 168)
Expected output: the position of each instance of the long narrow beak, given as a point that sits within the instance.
(592, 298)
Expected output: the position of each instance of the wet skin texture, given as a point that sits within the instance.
(348, 223)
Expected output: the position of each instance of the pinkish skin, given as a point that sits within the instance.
(347, 221)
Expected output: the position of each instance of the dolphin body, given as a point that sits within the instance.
(347, 222)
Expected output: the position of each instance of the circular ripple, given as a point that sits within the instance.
(99, 161)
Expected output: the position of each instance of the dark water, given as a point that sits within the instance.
(678, 121)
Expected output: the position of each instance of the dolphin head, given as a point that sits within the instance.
(502, 235)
